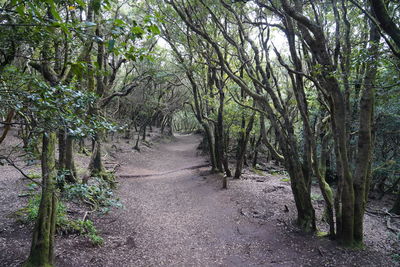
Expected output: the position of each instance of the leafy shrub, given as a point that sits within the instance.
(64, 225)
(85, 227)
(29, 213)
(98, 194)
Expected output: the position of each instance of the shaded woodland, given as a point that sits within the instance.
(309, 88)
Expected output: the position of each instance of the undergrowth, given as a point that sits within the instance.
(97, 194)
(64, 224)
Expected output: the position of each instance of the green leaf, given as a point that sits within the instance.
(21, 10)
(54, 12)
(81, 3)
(137, 30)
(111, 44)
(119, 22)
(154, 29)
(96, 6)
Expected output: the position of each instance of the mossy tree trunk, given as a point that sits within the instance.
(220, 133)
(71, 175)
(41, 253)
(96, 165)
(365, 141)
(353, 182)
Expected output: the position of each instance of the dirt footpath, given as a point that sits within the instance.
(177, 215)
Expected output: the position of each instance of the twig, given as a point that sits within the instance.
(20, 170)
(383, 213)
(320, 252)
(390, 227)
(164, 173)
(84, 216)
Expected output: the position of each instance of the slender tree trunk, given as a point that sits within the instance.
(69, 160)
(243, 148)
(217, 149)
(42, 248)
(96, 164)
(220, 134)
(144, 133)
(61, 149)
(211, 145)
(365, 140)
(255, 154)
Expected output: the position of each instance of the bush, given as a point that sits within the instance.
(64, 225)
(98, 194)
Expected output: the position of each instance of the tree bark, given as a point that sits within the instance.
(396, 206)
(365, 140)
(42, 249)
(71, 175)
(242, 148)
(7, 127)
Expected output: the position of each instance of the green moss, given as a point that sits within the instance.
(396, 257)
(34, 175)
(285, 180)
(322, 234)
(316, 197)
(258, 172)
(353, 245)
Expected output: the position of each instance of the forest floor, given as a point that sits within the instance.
(176, 214)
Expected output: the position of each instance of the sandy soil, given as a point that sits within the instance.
(176, 214)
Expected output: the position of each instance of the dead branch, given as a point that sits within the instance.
(10, 162)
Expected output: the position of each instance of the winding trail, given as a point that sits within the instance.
(180, 217)
(176, 214)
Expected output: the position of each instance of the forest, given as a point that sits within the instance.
(199, 133)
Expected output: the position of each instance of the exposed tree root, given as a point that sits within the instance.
(164, 173)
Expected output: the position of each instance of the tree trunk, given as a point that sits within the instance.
(70, 177)
(144, 133)
(217, 149)
(211, 145)
(302, 196)
(220, 134)
(396, 206)
(96, 163)
(61, 149)
(7, 127)
(242, 148)
(41, 253)
(255, 155)
(365, 140)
